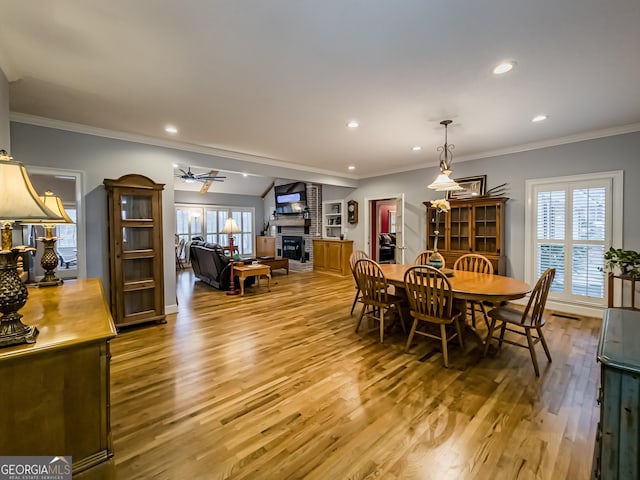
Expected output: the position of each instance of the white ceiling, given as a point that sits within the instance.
(279, 79)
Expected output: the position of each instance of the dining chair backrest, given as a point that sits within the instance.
(473, 262)
(532, 315)
(372, 282)
(428, 291)
(423, 257)
(353, 259)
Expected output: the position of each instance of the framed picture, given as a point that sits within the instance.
(471, 187)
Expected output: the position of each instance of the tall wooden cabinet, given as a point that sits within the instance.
(472, 226)
(135, 250)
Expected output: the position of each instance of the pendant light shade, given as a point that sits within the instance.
(443, 181)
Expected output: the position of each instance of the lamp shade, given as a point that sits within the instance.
(230, 226)
(443, 183)
(54, 204)
(18, 199)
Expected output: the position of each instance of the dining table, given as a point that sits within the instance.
(467, 285)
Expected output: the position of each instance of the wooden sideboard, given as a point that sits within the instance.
(332, 255)
(616, 450)
(55, 392)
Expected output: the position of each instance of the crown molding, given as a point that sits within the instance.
(158, 142)
(230, 154)
(554, 142)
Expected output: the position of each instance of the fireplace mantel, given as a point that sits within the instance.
(291, 222)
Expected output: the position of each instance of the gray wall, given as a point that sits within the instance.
(4, 113)
(621, 152)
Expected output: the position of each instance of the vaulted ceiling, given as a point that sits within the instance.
(279, 80)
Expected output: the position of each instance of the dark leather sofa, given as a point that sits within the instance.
(211, 265)
(387, 247)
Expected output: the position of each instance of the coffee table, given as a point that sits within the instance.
(275, 263)
(252, 270)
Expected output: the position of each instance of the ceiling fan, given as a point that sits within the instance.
(206, 178)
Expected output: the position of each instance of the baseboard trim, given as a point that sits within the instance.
(568, 308)
(169, 309)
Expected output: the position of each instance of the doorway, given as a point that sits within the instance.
(384, 227)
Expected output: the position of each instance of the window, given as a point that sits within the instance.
(207, 221)
(570, 224)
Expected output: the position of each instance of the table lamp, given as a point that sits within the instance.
(18, 202)
(231, 227)
(49, 260)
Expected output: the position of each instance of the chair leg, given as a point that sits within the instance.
(381, 325)
(459, 329)
(411, 334)
(364, 308)
(544, 343)
(503, 329)
(533, 352)
(355, 300)
(473, 313)
(443, 337)
(399, 309)
(489, 336)
(484, 314)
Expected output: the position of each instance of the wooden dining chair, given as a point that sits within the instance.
(353, 258)
(423, 258)
(180, 254)
(524, 322)
(431, 300)
(473, 262)
(375, 295)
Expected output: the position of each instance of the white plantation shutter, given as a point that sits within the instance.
(572, 228)
(551, 210)
(207, 221)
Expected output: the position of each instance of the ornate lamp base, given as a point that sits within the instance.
(49, 262)
(13, 296)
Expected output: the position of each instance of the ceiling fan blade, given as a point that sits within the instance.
(205, 186)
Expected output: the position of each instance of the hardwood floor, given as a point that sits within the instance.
(277, 385)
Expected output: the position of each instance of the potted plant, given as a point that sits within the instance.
(265, 229)
(627, 262)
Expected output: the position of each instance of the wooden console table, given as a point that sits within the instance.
(253, 270)
(56, 391)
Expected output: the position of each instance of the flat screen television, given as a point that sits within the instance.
(291, 199)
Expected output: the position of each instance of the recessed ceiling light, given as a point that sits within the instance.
(353, 124)
(417, 148)
(351, 167)
(170, 129)
(504, 67)
(245, 175)
(539, 118)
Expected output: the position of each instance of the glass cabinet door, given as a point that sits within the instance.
(486, 229)
(137, 238)
(136, 207)
(459, 228)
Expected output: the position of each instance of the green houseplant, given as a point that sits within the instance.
(626, 262)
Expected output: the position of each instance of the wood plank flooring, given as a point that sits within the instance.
(277, 385)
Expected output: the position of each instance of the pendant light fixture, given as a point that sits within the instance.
(443, 181)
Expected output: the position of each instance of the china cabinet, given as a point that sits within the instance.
(135, 250)
(472, 226)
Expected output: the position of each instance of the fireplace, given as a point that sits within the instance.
(293, 247)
